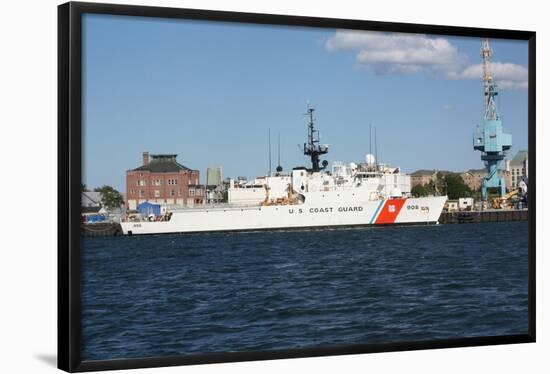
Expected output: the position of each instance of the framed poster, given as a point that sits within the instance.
(193, 230)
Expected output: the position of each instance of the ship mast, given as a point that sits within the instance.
(312, 148)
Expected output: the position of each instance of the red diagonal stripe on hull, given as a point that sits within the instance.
(389, 211)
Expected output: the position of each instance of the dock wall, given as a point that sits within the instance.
(100, 229)
(484, 216)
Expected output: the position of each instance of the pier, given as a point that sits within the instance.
(493, 215)
(100, 229)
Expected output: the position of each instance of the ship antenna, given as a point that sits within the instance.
(370, 138)
(312, 148)
(279, 149)
(375, 151)
(269, 141)
(279, 167)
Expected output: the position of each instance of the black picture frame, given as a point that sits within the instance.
(69, 181)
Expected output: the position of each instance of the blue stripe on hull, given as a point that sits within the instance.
(376, 212)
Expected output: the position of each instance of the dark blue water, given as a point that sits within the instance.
(187, 294)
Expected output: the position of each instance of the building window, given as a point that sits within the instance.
(142, 182)
(157, 193)
(157, 182)
(172, 193)
(141, 193)
(192, 192)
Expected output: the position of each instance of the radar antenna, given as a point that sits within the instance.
(279, 167)
(312, 148)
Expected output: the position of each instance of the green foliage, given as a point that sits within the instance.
(440, 185)
(110, 198)
(83, 188)
(427, 189)
(455, 187)
(450, 184)
(476, 194)
(419, 190)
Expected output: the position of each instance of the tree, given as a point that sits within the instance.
(110, 198)
(427, 189)
(450, 184)
(430, 188)
(419, 190)
(455, 187)
(440, 184)
(83, 188)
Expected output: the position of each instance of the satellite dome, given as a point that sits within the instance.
(370, 159)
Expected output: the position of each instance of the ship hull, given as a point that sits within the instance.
(316, 215)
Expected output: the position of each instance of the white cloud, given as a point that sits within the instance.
(394, 53)
(506, 75)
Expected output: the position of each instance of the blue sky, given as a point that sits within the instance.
(210, 91)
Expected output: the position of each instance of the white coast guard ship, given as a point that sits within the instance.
(348, 195)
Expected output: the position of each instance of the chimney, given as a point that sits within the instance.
(145, 158)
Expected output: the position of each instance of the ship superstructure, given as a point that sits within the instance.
(365, 193)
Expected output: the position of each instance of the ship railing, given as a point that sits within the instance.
(217, 206)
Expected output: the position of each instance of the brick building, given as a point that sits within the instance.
(162, 180)
(473, 178)
(422, 177)
(425, 176)
(518, 168)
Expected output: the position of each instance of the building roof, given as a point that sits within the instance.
(90, 199)
(421, 172)
(165, 163)
(90, 209)
(476, 171)
(428, 172)
(520, 157)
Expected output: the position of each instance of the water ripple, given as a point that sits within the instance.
(221, 292)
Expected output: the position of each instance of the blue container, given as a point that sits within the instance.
(146, 209)
(95, 218)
